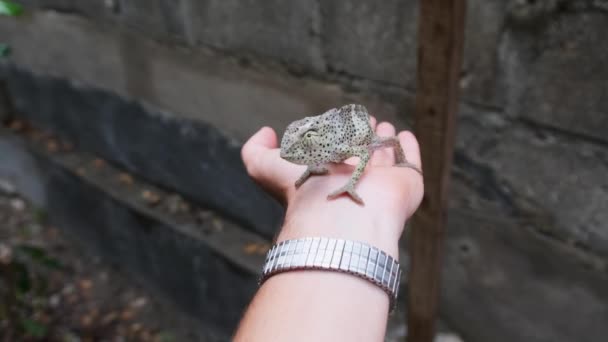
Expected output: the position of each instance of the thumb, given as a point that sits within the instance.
(263, 140)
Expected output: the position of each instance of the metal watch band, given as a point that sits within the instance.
(353, 257)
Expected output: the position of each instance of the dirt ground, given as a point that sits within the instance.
(51, 289)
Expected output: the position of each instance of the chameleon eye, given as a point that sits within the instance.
(310, 134)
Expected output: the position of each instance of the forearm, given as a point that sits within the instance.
(323, 305)
(316, 306)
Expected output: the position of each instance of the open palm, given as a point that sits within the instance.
(395, 191)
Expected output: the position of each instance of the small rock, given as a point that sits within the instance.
(139, 303)
(68, 289)
(103, 276)
(109, 318)
(447, 337)
(203, 216)
(70, 337)
(173, 203)
(6, 254)
(34, 229)
(218, 225)
(7, 187)
(18, 204)
(54, 300)
(135, 328)
(176, 204)
(111, 5)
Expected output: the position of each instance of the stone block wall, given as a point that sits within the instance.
(168, 90)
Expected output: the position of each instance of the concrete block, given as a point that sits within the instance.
(556, 183)
(190, 157)
(91, 8)
(500, 283)
(189, 85)
(172, 261)
(378, 41)
(155, 17)
(556, 75)
(58, 45)
(282, 30)
(374, 40)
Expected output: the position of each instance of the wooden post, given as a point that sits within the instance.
(440, 43)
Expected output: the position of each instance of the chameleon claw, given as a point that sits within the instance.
(409, 165)
(302, 179)
(347, 189)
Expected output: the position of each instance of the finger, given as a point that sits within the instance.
(372, 122)
(384, 156)
(265, 139)
(261, 158)
(410, 147)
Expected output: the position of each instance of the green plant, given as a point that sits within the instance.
(4, 50)
(11, 9)
(22, 288)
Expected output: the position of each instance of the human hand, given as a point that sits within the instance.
(391, 194)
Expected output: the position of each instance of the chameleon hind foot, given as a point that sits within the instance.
(410, 166)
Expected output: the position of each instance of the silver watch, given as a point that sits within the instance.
(352, 257)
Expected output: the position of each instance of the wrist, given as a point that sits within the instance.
(337, 219)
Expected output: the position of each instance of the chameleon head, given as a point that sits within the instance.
(303, 142)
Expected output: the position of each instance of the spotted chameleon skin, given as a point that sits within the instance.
(333, 137)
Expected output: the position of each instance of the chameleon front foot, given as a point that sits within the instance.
(311, 170)
(347, 189)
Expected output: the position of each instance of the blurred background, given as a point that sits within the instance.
(127, 215)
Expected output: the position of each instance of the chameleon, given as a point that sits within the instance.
(332, 137)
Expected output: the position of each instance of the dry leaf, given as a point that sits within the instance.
(86, 320)
(66, 146)
(85, 284)
(250, 248)
(127, 315)
(263, 248)
(52, 145)
(256, 248)
(16, 125)
(99, 163)
(125, 178)
(150, 197)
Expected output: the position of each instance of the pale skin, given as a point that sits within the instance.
(329, 306)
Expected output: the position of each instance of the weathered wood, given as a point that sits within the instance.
(440, 37)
